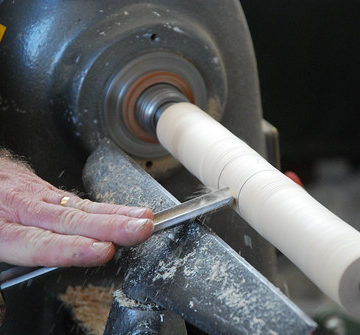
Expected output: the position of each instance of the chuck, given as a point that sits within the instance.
(153, 102)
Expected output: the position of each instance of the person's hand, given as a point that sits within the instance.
(41, 225)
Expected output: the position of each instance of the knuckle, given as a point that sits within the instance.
(83, 204)
(32, 207)
(118, 221)
(50, 243)
(45, 193)
(71, 218)
(76, 242)
(13, 198)
(40, 239)
(110, 208)
(41, 242)
(114, 229)
(119, 209)
(25, 202)
(73, 251)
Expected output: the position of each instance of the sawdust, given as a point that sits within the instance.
(166, 271)
(125, 301)
(90, 306)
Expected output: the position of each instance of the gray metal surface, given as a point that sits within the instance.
(188, 269)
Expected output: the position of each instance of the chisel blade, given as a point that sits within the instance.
(193, 208)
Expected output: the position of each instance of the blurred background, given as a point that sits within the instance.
(308, 58)
(308, 55)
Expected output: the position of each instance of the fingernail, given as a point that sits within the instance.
(137, 212)
(101, 246)
(134, 226)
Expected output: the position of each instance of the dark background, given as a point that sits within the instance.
(309, 66)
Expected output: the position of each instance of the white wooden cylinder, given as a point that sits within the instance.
(322, 245)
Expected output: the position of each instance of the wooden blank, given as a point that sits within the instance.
(322, 245)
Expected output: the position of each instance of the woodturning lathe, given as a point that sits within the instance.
(94, 77)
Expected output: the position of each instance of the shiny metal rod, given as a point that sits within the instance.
(14, 277)
(191, 209)
(151, 102)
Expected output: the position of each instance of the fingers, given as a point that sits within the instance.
(31, 246)
(101, 208)
(120, 229)
(123, 225)
(95, 207)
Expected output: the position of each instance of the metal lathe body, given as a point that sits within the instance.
(74, 75)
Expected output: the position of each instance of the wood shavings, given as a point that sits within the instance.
(90, 306)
